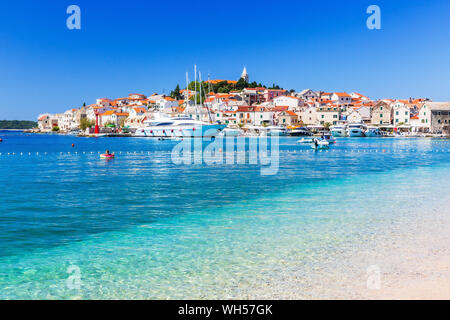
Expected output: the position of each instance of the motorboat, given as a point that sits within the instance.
(163, 126)
(300, 132)
(328, 138)
(355, 130)
(305, 140)
(373, 132)
(339, 130)
(320, 144)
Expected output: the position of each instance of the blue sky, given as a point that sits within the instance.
(147, 46)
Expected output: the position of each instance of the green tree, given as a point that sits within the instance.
(85, 123)
(55, 128)
(327, 125)
(176, 93)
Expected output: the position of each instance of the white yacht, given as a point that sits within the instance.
(339, 130)
(163, 126)
(372, 132)
(300, 132)
(355, 130)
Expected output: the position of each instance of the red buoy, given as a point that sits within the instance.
(1, 140)
(73, 145)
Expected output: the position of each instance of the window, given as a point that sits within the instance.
(381, 121)
(396, 113)
(323, 116)
(396, 120)
(381, 108)
(381, 115)
(406, 113)
(284, 120)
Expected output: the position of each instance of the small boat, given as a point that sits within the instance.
(320, 144)
(107, 156)
(328, 138)
(305, 140)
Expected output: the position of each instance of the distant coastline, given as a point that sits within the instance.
(17, 124)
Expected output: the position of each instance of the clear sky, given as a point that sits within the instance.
(147, 46)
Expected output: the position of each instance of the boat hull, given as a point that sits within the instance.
(355, 133)
(338, 133)
(210, 130)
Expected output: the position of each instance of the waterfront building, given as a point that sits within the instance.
(435, 117)
(44, 122)
(328, 114)
(287, 118)
(381, 113)
(308, 115)
(294, 103)
(401, 113)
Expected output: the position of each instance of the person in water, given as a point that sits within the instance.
(107, 152)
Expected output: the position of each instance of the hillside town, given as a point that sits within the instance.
(254, 107)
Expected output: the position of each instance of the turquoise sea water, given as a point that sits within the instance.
(140, 226)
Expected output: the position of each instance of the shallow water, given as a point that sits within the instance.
(140, 226)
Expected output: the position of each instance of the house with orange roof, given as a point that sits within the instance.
(44, 122)
(341, 98)
(105, 102)
(112, 116)
(330, 113)
(166, 103)
(401, 112)
(270, 94)
(137, 111)
(358, 96)
(294, 103)
(287, 118)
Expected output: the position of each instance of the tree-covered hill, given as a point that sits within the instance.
(17, 124)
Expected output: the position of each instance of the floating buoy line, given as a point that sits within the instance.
(159, 152)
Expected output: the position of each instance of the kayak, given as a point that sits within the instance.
(107, 156)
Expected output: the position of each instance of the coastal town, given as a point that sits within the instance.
(251, 108)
